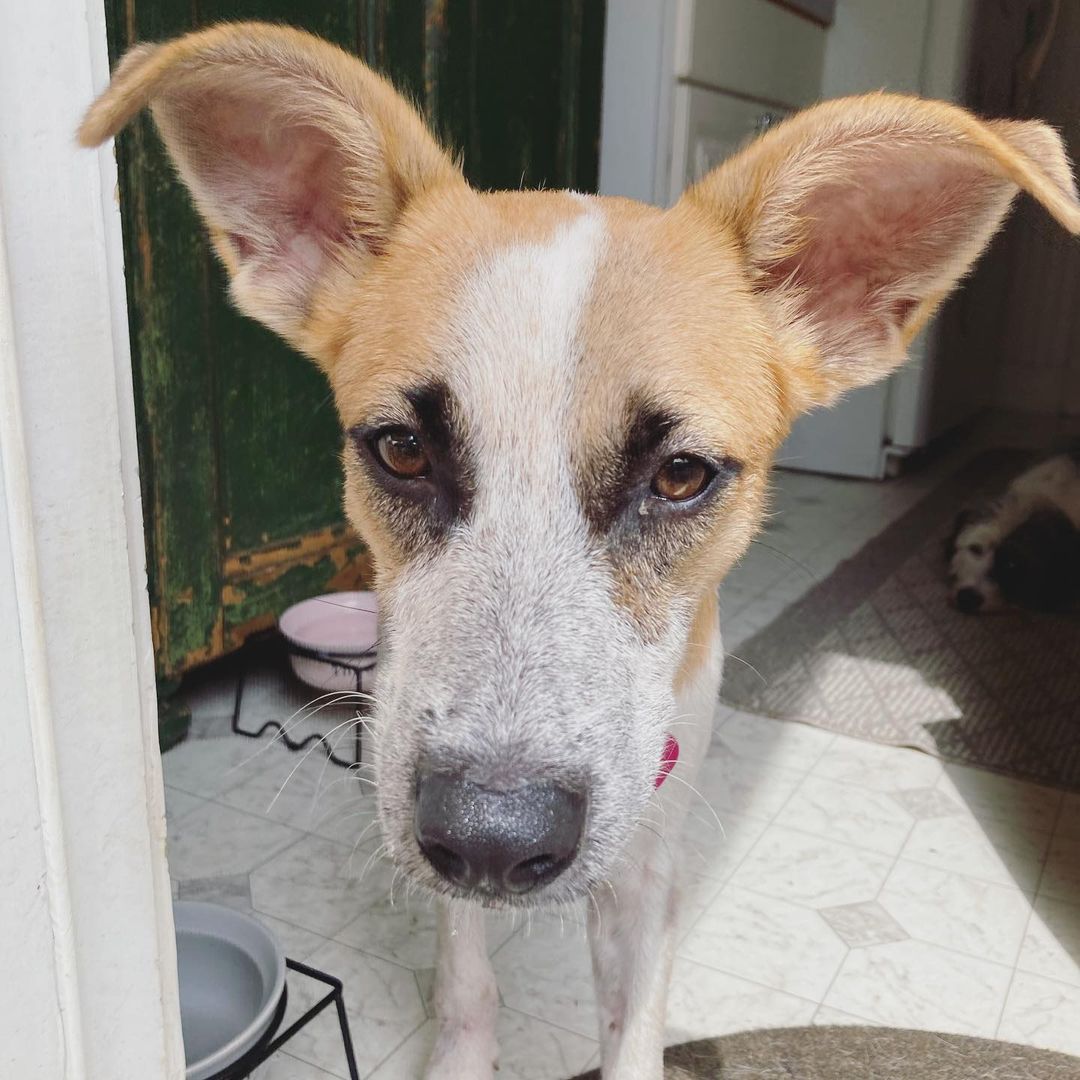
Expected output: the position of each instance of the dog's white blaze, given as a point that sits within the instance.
(517, 343)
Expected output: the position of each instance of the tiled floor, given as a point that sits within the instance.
(854, 883)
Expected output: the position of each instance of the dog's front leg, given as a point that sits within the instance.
(631, 927)
(466, 998)
(632, 921)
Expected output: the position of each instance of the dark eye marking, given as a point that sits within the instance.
(654, 476)
(420, 461)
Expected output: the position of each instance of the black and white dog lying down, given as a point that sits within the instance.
(1022, 549)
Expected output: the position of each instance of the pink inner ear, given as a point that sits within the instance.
(276, 184)
(878, 240)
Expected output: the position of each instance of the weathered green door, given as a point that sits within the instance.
(238, 437)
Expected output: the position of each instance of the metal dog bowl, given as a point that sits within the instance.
(232, 979)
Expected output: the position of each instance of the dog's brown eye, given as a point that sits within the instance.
(682, 477)
(977, 550)
(402, 454)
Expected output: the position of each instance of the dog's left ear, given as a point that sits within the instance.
(856, 217)
(301, 159)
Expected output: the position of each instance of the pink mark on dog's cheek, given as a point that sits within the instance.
(667, 759)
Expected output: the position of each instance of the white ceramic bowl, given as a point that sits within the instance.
(232, 976)
(343, 626)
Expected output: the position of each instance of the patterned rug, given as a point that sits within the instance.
(859, 1053)
(875, 651)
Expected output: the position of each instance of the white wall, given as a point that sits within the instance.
(87, 954)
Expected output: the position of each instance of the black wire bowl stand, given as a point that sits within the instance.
(271, 1042)
(357, 666)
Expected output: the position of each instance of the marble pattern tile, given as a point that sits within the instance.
(210, 727)
(696, 896)
(994, 851)
(425, 981)
(230, 890)
(1052, 943)
(308, 792)
(296, 942)
(912, 984)
(208, 767)
(545, 970)
(283, 1066)
(860, 817)
(872, 765)
(179, 803)
(710, 850)
(216, 840)
(859, 925)
(315, 883)
(743, 786)
(529, 1049)
(772, 942)
(1042, 1012)
(793, 746)
(408, 1060)
(381, 999)
(1061, 877)
(829, 1017)
(973, 916)
(925, 803)
(810, 870)
(989, 796)
(703, 1003)
(401, 926)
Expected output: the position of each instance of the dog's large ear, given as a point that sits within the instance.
(298, 156)
(856, 217)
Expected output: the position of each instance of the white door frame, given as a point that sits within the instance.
(87, 948)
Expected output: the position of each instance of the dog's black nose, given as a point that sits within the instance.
(969, 601)
(503, 842)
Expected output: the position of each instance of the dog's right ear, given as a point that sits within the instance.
(855, 218)
(300, 159)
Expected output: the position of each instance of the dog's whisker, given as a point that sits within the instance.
(393, 883)
(614, 894)
(596, 908)
(694, 790)
(371, 859)
(657, 833)
(790, 558)
(323, 739)
(732, 656)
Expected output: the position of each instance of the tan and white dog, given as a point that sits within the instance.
(559, 415)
